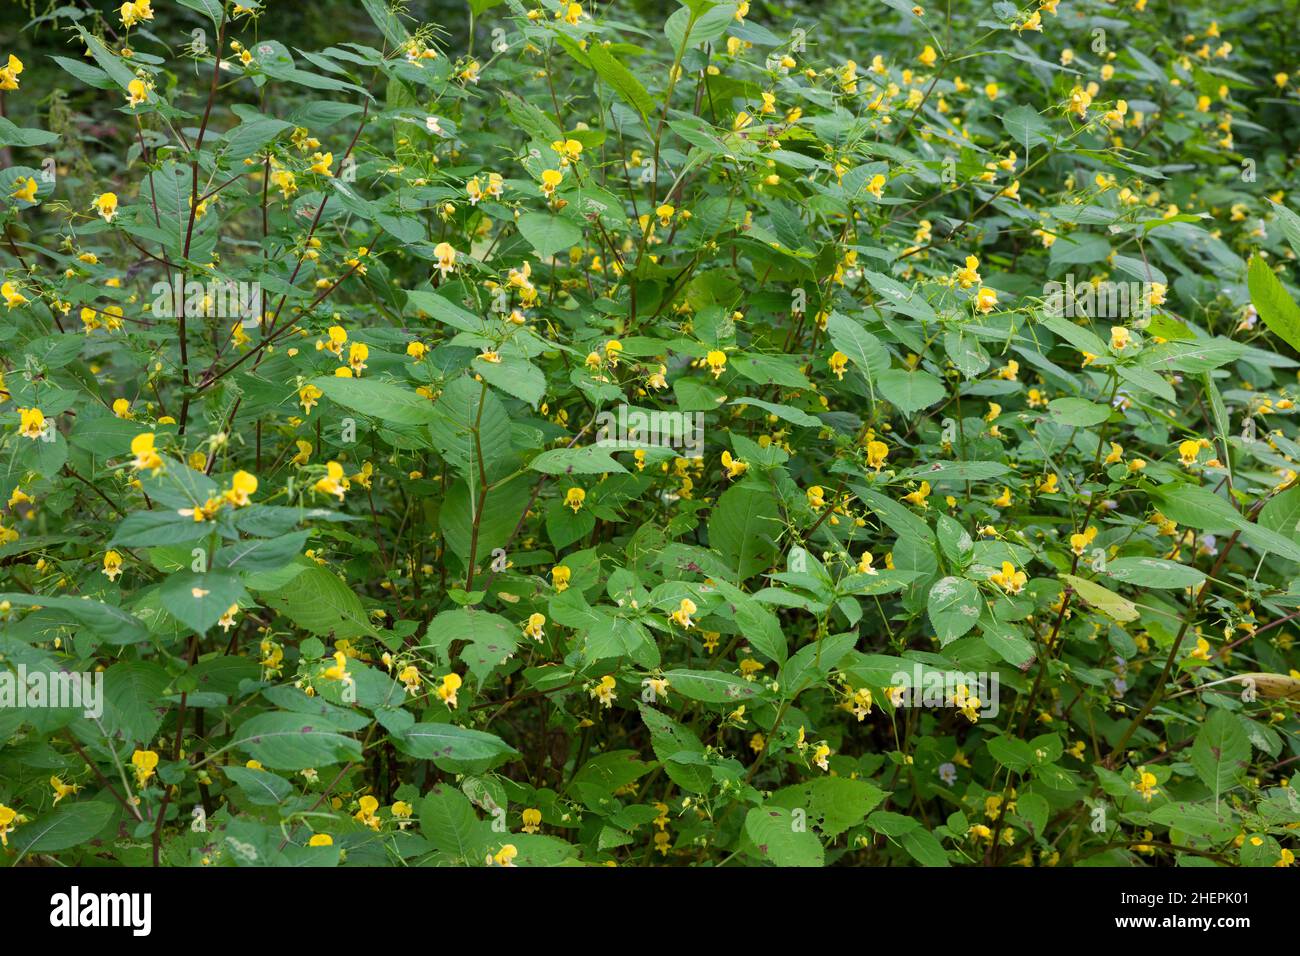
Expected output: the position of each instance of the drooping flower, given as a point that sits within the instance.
(682, 616)
(31, 423)
(333, 483)
(144, 762)
(451, 683)
(603, 691)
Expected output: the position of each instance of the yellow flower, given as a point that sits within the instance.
(1080, 100)
(137, 92)
(969, 275)
(1156, 296)
(1119, 338)
(551, 179)
(358, 352)
(877, 186)
(574, 497)
(1048, 486)
(1115, 455)
(865, 563)
(717, 362)
(560, 575)
(1009, 579)
(1145, 784)
(132, 13)
(62, 789)
(242, 485)
(106, 206)
(734, 466)
(309, 395)
(506, 855)
(1003, 500)
(146, 456)
(25, 189)
(446, 257)
(450, 684)
(820, 755)
(366, 815)
(321, 839)
(1188, 451)
(927, 57)
(333, 483)
(9, 73)
(144, 762)
(877, 452)
(838, 362)
(11, 295)
(682, 616)
(967, 703)
(32, 423)
(816, 497)
(410, 678)
(287, 183)
(112, 565)
(9, 818)
(322, 164)
(534, 627)
(918, 497)
(603, 691)
(985, 300)
(532, 819)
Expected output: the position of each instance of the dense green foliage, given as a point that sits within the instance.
(333, 372)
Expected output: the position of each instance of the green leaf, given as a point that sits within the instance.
(779, 836)
(863, 349)
(712, 687)
(924, 847)
(678, 749)
(1103, 599)
(449, 823)
(11, 135)
(455, 749)
(1154, 573)
(1275, 306)
(315, 599)
(954, 608)
(489, 638)
(108, 623)
(618, 76)
(1221, 752)
(589, 460)
(67, 826)
(549, 234)
(383, 401)
(394, 32)
(832, 804)
(1078, 412)
(910, 391)
(263, 788)
(1201, 508)
(744, 527)
(286, 741)
(210, 8)
(198, 600)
